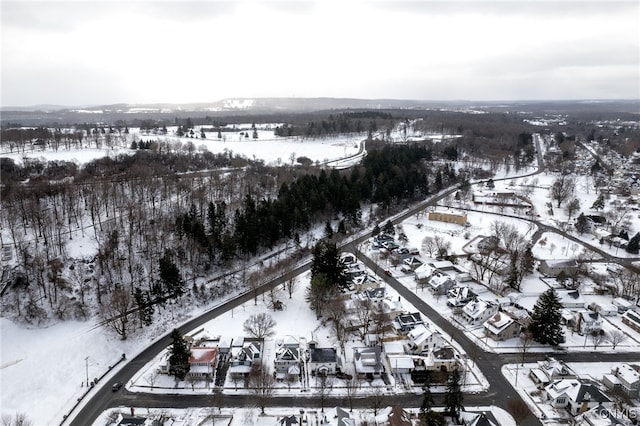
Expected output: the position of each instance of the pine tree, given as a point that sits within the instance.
(634, 244)
(179, 358)
(598, 204)
(581, 225)
(546, 326)
(170, 276)
(453, 398)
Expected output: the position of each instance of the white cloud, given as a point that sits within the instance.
(202, 51)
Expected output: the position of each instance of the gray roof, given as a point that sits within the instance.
(323, 355)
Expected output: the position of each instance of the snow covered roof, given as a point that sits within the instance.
(203, 355)
(498, 323)
(400, 362)
(627, 373)
(476, 307)
(575, 390)
(394, 347)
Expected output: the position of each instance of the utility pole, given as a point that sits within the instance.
(86, 365)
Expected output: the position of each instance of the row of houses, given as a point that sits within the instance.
(563, 389)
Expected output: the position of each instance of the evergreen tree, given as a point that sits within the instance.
(170, 276)
(328, 231)
(634, 244)
(389, 229)
(375, 231)
(453, 398)
(598, 204)
(546, 326)
(326, 261)
(582, 225)
(145, 306)
(179, 358)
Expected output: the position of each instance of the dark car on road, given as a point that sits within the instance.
(116, 386)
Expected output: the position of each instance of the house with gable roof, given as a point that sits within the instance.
(501, 326)
(588, 321)
(286, 362)
(368, 362)
(203, 361)
(478, 311)
(421, 340)
(404, 323)
(632, 319)
(460, 296)
(550, 370)
(575, 395)
(323, 361)
(571, 299)
(440, 284)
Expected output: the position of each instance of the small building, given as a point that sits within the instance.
(449, 217)
(624, 377)
(440, 284)
(632, 319)
(460, 296)
(553, 267)
(400, 364)
(443, 359)
(501, 327)
(623, 305)
(549, 371)
(285, 358)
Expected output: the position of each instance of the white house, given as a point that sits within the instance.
(571, 299)
(588, 321)
(478, 311)
(550, 370)
(501, 327)
(422, 340)
(623, 377)
(574, 395)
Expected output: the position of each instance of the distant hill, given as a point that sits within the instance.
(54, 114)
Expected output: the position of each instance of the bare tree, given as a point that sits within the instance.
(572, 207)
(526, 340)
(364, 312)
(274, 301)
(19, 419)
(115, 312)
(429, 246)
(336, 312)
(615, 337)
(352, 386)
(152, 377)
(442, 245)
(324, 384)
(260, 326)
(377, 399)
(562, 188)
(193, 379)
(291, 286)
(262, 384)
(597, 337)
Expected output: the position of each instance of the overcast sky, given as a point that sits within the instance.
(93, 53)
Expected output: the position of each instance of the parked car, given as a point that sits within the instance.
(116, 386)
(388, 272)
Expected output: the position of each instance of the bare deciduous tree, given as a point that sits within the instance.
(260, 326)
(262, 384)
(115, 312)
(615, 337)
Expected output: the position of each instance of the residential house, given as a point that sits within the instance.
(442, 359)
(400, 363)
(440, 284)
(571, 299)
(406, 322)
(203, 362)
(368, 362)
(501, 327)
(449, 217)
(422, 340)
(243, 358)
(632, 319)
(606, 309)
(323, 361)
(553, 267)
(423, 273)
(457, 297)
(624, 377)
(588, 321)
(550, 370)
(286, 363)
(412, 262)
(623, 305)
(364, 282)
(575, 395)
(478, 311)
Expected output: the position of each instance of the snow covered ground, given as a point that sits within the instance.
(44, 371)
